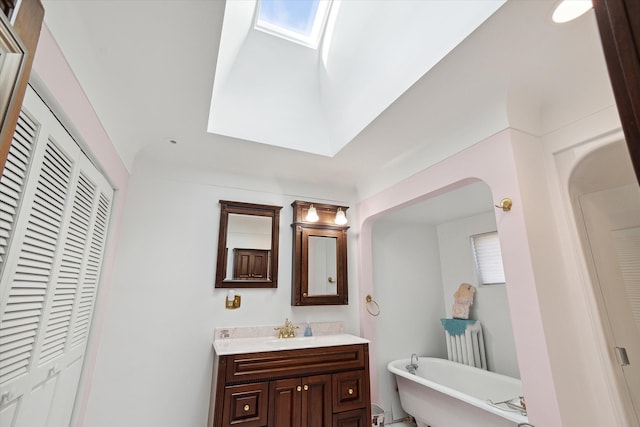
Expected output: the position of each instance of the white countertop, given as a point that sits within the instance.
(226, 346)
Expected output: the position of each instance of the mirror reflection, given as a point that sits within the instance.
(248, 245)
(323, 277)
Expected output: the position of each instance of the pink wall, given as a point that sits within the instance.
(57, 80)
(491, 161)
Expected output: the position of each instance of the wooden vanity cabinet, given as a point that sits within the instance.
(312, 387)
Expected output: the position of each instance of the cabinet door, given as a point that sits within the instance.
(355, 418)
(259, 265)
(249, 264)
(246, 405)
(285, 397)
(316, 401)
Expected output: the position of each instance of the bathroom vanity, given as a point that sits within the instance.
(291, 382)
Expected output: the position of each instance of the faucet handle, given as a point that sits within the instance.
(280, 331)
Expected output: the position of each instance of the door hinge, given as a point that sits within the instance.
(621, 353)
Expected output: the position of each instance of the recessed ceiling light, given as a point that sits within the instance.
(568, 10)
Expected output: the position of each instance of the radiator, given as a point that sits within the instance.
(467, 348)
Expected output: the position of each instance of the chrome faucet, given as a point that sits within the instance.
(413, 366)
(286, 331)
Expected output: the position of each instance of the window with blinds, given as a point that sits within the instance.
(488, 258)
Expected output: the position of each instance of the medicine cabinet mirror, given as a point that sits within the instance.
(319, 256)
(13, 56)
(248, 245)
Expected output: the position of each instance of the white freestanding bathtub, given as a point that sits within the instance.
(449, 394)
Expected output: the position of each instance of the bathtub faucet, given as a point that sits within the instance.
(411, 367)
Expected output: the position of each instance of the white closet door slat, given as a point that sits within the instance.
(13, 178)
(30, 273)
(69, 277)
(54, 211)
(93, 264)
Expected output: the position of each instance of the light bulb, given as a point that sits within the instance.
(341, 218)
(231, 295)
(312, 214)
(568, 10)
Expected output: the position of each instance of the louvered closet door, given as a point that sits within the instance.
(50, 275)
(13, 180)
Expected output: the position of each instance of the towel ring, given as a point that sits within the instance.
(369, 299)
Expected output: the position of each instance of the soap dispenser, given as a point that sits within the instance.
(307, 330)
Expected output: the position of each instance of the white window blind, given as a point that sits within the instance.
(488, 258)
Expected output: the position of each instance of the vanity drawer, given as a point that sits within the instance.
(288, 363)
(246, 405)
(355, 418)
(349, 391)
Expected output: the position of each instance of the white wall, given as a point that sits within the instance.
(407, 286)
(490, 305)
(155, 357)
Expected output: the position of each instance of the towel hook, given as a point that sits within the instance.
(369, 299)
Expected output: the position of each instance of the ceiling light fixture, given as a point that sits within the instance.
(568, 10)
(341, 218)
(312, 215)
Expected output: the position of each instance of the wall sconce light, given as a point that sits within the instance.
(341, 218)
(232, 301)
(312, 214)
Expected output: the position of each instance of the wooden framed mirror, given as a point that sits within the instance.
(248, 245)
(319, 256)
(20, 24)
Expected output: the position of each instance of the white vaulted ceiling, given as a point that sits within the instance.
(407, 84)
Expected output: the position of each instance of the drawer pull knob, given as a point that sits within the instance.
(299, 388)
(306, 387)
(350, 391)
(246, 408)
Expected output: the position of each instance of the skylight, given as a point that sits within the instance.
(300, 21)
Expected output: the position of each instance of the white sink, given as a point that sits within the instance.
(295, 342)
